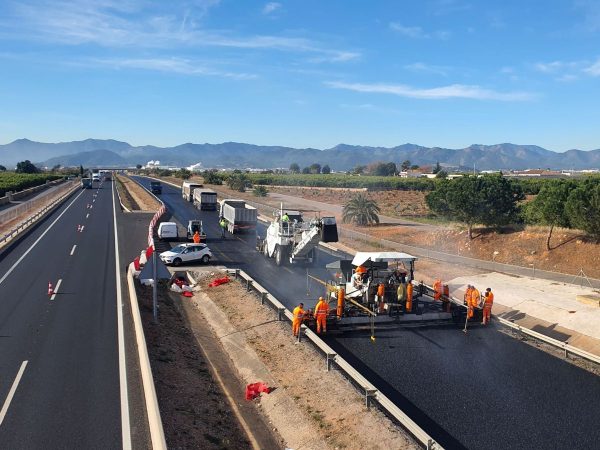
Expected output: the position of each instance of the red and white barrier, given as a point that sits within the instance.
(153, 223)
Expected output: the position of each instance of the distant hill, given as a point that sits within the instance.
(97, 152)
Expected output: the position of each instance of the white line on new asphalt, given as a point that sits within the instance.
(125, 425)
(56, 289)
(73, 249)
(12, 391)
(87, 215)
(14, 266)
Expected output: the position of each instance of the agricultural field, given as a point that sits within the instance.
(10, 181)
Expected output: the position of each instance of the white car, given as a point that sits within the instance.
(185, 253)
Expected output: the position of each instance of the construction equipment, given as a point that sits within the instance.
(205, 199)
(240, 217)
(289, 237)
(193, 226)
(365, 290)
(187, 190)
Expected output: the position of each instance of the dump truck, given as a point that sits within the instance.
(240, 217)
(205, 199)
(156, 187)
(187, 190)
(294, 239)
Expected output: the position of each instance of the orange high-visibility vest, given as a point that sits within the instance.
(475, 297)
(409, 293)
(489, 300)
(299, 313)
(322, 308)
(437, 287)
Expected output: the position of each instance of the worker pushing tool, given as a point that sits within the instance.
(298, 318)
(488, 302)
(321, 312)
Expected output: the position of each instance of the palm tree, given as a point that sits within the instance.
(361, 210)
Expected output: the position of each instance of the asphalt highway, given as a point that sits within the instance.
(60, 374)
(480, 390)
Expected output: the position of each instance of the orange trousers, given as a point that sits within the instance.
(470, 312)
(296, 326)
(487, 315)
(321, 323)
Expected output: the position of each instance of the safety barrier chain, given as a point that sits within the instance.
(30, 220)
(370, 391)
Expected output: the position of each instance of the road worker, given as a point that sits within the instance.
(488, 302)
(401, 293)
(321, 312)
(196, 237)
(357, 278)
(467, 297)
(285, 218)
(409, 297)
(474, 303)
(223, 225)
(437, 289)
(298, 318)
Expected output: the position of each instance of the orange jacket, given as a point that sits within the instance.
(489, 300)
(468, 296)
(322, 308)
(299, 313)
(475, 297)
(196, 237)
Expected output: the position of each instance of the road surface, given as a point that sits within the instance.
(482, 390)
(62, 369)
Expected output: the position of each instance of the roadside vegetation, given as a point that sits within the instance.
(11, 181)
(361, 210)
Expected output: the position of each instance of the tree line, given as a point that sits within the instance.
(495, 201)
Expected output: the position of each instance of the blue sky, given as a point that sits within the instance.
(302, 73)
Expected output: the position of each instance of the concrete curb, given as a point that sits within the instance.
(157, 434)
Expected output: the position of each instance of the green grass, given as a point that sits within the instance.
(10, 181)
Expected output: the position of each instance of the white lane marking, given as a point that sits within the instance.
(12, 391)
(14, 266)
(73, 249)
(56, 289)
(87, 215)
(125, 425)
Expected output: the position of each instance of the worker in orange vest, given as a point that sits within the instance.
(321, 312)
(475, 299)
(298, 318)
(467, 297)
(487, 306)
(409, 296)
(437, 288)
(196, 237)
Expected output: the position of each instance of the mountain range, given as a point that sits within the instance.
(111, 153)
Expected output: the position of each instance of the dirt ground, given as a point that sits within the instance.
(333, 409)
(194, 410)
(134, 197)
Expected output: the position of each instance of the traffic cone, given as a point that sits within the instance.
(50, 288)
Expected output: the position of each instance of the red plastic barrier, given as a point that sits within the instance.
(149, 252)
(253, 390)
(136, 263)
(219, 281)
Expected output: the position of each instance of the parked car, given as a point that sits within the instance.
(186, 253)
(168, 230)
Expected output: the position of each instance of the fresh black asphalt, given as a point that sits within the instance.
(482, 390)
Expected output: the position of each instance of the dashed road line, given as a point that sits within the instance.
(87, 215)
(12, 391)
(73, 250)
(56, 289)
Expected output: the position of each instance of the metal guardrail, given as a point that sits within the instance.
(370, 391)
(68, 189)
(554, 342)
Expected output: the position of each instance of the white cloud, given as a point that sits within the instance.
(142, 25)
(594, 69)
(416, 32)
(427, 68)
(171, 65)
(271, 7)
(438, 93)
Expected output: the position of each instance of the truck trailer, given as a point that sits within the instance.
(205, 199)
(240, 217)
(187, 190)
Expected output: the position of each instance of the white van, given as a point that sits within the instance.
(168, 230)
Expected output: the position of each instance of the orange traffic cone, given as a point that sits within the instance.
(50, 288)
